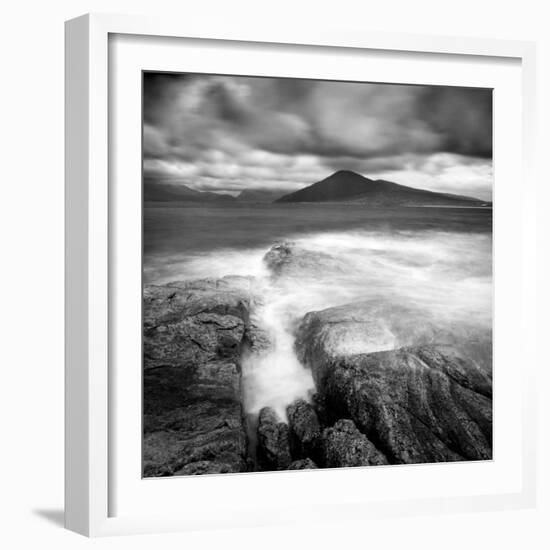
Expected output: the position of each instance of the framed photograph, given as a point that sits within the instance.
(297, 275)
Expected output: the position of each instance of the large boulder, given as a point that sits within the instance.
(305, 430)
(273, 451)
(344, 445)
(377, 325)
(195, 321)
(193, 414)
(419, 403)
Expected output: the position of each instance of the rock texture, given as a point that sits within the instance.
(371, 326)
(423, 403)
(394, 385)
(256, 341)
(305, 430)
(344, 445)
(303, 464)
(290, 259)
(193, 416)
(273, 441)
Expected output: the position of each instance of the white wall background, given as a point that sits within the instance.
(31, 299)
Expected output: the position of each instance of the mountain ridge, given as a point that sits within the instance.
(348, 186)
(159, 191)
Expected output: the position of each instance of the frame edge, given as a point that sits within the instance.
(86, 412)
(77, 79)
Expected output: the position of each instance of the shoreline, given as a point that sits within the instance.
(369, 362)
(246, 204)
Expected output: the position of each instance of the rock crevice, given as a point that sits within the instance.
(389, 389)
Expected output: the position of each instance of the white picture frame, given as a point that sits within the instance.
(91, 222)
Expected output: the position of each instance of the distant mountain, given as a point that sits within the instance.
(347, 186)
(159, 191)
(259, 195)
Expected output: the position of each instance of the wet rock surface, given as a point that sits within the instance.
(423, 403)
(273, 450)
(305, 429)
(343, 445)
(256, 340)
(193, 415)
(290, 259)
(393, 383)
(371, 326)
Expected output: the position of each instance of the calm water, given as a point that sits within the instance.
(436, 262)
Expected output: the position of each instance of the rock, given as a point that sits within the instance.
(320, 406)
(344, 445)
(420, 403)
(204, 467)
(303, 464)
(290, 259)
(256, 339)
(346, 330)
(305, 429)
(376, 325)
(192, 322)
(273, 441)
(193, 415)
(417, 404)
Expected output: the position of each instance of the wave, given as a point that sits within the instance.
(443, 276)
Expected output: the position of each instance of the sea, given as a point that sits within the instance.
(434, 262)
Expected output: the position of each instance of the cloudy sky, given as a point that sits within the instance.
(224, 133)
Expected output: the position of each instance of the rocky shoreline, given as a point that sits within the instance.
(385, 392)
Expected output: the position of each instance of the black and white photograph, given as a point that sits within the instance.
(317, 274)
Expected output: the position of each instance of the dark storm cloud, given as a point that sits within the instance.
(462, 116)
(406, 161)
(370, 165)
(250, 131)
(159, 91)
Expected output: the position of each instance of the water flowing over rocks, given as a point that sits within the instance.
(256, 341)
(393, 383)
(423, 403)
(289, 259)
(376, 325)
